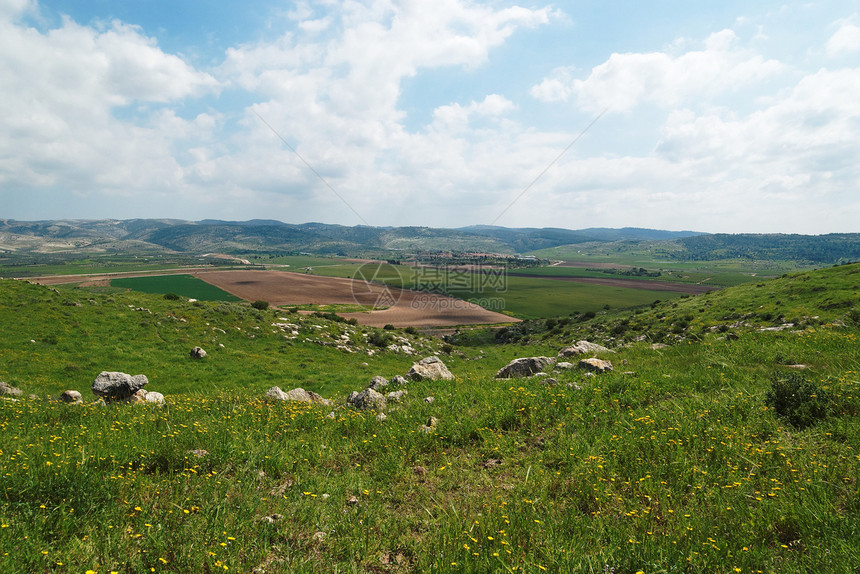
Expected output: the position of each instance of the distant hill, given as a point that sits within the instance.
(271, 236)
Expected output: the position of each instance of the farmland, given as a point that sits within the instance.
(185, 285)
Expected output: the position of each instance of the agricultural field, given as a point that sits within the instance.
(732, 447)
(397, 307)
(184, 285)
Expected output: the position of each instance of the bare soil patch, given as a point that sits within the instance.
(404, 308)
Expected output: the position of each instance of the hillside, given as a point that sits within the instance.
(724, 440)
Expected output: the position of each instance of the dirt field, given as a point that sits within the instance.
(405, 308)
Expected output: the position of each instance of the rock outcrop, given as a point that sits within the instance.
(366, 400)
(595, 365)
(298, 394)
(431, 368)
(115, 386)
(197, 353)
(582, 348)
(71, 397)
(9, 391)
(524, 367)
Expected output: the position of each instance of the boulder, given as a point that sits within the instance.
(154, 397)
(367, 399)
(595, 365)
(396, 396)
(71, 397)
(298, 394)
(431, 368)
(197, 353)
(564, 366)
(275, 394)
(524, 367)
(398, 380)
(9, 390)
(136, 398)
(378, 382)
(113, 385)
(582, 348)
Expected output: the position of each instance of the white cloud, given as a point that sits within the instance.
(627, 80)
(65, 91)
(846, 40)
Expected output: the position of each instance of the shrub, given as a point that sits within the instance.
(380, 339)
(260, 305)
(410, 330)
(171, 296)
(389, 327)
(796, 399)
(447, 349)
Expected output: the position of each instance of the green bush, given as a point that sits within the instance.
(260, 305)
(798, 400)
(171, 296)
(380, 339)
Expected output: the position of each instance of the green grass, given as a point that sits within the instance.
(671, 463)
(184, 285)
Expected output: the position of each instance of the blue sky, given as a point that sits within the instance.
(713, 116)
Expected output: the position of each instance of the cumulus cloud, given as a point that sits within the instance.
(846, 40)
(627, 80)
(65, 93)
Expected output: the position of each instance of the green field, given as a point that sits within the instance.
(184, 285)
(699, 456)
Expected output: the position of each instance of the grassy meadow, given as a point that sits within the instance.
(677, 461)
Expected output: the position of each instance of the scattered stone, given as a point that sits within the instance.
(136, 398)
(419, 471)
(549, 381)
(319, 536)
(398, 380)
(275, 394)
(589, 375)
(71, 397)
(378, 382)
(490, 463)
(432, 422)
(364, 365)
(798, 366)
(9, 390)
(430, 368)
(629, 373)
(331, 415)
(524, 367)
(382, 417)
(658, 346)
(272, 518)
(352, 500)
(396, 396)
(199, 453)
(366, 400)
(154, 397)
(298, 394)
(576, 387)
(197, 353)
(113, 385)
(582, 348)
(595, 365)
(429, 400)
(563, 366)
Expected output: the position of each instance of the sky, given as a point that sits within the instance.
(713, 116)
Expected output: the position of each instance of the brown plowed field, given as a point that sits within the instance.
(405, 308)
